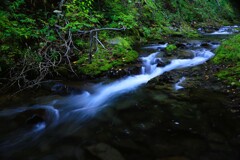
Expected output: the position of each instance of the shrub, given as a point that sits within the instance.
(229, 55)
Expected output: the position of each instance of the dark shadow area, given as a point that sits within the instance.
(236, 5)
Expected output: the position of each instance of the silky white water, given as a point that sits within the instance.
(177, 85)
(226, 30)
(69, 113)
(89, 104)
(85, 105)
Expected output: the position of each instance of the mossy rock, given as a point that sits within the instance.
(228, 54)
(171, 47)
(117, 53)
(229, 51)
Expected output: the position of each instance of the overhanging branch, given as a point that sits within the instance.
(93, 38)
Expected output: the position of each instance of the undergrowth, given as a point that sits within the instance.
(229, 55)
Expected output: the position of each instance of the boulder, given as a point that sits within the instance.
(105, 152)
(162, 79)
(121, 72)
(60, 88)
(181, 45)
(205, 45)
(185, 54)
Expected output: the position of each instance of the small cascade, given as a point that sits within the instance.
(156, 46)
(89, 104)
(224, 30)
(37, 118)
(74, 110)
(62, 120)
(143, 70)
(177, 85)
(149, 63)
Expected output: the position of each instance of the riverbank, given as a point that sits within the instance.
(175, 47)
(220, 74)
(75, 40)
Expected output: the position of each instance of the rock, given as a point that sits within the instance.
(31, 117)
(166, 78)
(69, 152)
(152, 82)
(219, 147)
(181, 45)
(130, 145)
(205, 45)
(134, 69)
(60, 88)
(145, 126)
(117, 73)
(105, 152)
(216, 137)
(185, 54)
(215, 43)
(121, 72)
(161, 63)
(210, 29)
(35, 119)
(161, 42)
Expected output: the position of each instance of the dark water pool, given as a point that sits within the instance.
(148, 123)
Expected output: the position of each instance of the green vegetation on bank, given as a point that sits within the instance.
(171, 47)
(118, 53)
(39, 37)
(228, 54)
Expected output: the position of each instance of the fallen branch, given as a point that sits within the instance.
(93, 39)
(95, 30)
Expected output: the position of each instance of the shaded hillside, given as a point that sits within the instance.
(42, 39)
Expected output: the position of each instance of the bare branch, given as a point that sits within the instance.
(95, 30)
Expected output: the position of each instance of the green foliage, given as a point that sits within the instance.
(80, 15)
(171, 47)
(229, 54)
(124, 14)
(16, 5)
(229, 51)
(118, 53)
(123, 42)
(28, 29)
(200, 10)
(231, 75)
(187, 31)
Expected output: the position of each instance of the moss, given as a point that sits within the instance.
(231, 75)
(118, 53)
(229, 55)
(229, 51)
(171, 47)
(188, 31)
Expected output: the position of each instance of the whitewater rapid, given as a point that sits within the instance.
(69, 113)
(82, 106)
(90, 104)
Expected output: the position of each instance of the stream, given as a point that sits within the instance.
(134, 117)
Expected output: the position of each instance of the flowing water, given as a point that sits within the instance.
(127, 118)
